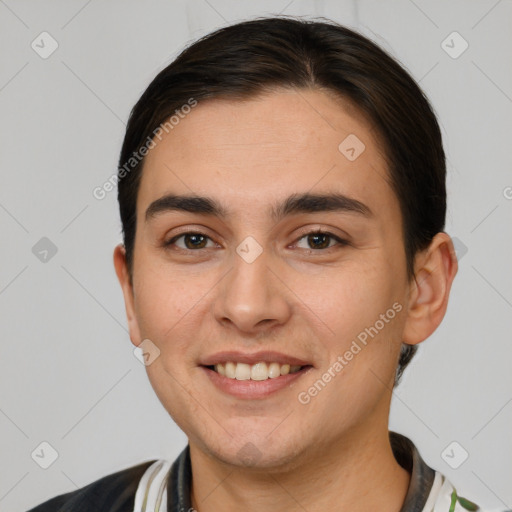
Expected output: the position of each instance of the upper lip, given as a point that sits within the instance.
(268, 356)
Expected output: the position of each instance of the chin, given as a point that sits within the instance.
(260, 452)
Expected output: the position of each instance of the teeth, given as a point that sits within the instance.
(230, 370)
(220, 368)
(258, 371)
(243, 371)
(274, 370)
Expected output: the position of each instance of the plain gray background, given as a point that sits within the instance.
(68, 373)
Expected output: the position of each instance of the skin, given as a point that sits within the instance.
(332, 453)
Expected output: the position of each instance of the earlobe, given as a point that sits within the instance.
(430, 289)
(127, 288)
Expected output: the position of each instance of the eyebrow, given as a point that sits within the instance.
(294, 204)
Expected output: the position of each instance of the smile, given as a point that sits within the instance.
(259, 371)
(253, 381)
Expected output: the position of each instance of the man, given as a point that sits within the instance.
(282, 195)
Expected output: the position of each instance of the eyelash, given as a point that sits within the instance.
(340, 241)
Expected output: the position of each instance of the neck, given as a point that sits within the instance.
(358, 473)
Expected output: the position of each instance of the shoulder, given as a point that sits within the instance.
(112, 493)
(444, 498)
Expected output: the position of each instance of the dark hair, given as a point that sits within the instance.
(249, 58)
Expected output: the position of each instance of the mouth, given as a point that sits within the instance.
(260, 371)
(256, 381)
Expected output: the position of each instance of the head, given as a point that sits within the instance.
(277, 129)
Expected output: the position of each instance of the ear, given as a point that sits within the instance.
(126, 285)
(435, 269)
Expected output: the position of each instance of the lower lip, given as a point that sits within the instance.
(253, 389)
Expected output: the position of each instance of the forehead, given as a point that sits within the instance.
(254, 152)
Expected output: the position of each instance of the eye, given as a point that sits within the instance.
(315, 240)
(191, 241)
(321, 240)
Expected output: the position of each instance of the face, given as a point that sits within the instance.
(294, 256)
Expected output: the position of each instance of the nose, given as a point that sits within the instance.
(251, 298)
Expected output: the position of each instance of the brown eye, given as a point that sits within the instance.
(320, 240)
(191, 241)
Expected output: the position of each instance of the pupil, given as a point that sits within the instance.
(194, 241)
(319, 237)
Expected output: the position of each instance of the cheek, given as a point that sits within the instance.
(163, 304)
(349, 300)
(364, 314)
